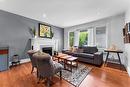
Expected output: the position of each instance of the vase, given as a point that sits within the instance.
(35, 36)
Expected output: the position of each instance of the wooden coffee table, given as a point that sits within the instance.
(69, 61)
(59, 56)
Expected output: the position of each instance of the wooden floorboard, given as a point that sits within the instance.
(20, 76)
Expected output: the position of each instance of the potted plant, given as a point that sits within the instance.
(51, 34)
(32, 31)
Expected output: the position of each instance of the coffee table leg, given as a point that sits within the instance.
(76, 63)
(71, 67)
(64, 64)
(58, 60)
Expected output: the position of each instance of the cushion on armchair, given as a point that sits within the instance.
(46, 66)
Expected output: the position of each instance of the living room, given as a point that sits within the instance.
(102, 23)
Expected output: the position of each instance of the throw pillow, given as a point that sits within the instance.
(74, 49)
(79, 50)
(71, 49)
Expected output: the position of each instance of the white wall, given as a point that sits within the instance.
(127, 55)
(114, 26)
(14, 32)
(127, 46)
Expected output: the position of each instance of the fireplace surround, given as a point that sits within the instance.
(40, 43)
(47, 50)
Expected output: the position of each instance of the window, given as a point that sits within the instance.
(101, 37)
(83, 38)
(71, 39)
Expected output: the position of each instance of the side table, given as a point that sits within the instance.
(113, 51)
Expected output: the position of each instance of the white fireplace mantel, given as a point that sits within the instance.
(39, 43)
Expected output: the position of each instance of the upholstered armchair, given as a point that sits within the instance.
(46, 67)
(33, 61)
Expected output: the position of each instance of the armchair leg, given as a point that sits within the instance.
(60, 75)
(32, 69)
(39, 79)
(48, 82)
(37, 73)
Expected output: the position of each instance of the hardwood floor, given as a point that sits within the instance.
(20, 76)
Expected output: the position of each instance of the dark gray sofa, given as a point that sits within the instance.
(88, 55)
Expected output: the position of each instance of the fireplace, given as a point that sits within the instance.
(47, 50)
(39, 43)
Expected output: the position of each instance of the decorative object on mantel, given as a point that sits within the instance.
(32, 31)
(55, 53)
(45, 31)
(52, 34)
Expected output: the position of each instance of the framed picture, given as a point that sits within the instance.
(128, 26)
(44, 31)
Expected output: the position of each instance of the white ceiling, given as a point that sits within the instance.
(65, 13)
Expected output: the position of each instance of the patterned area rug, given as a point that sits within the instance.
(77, 75)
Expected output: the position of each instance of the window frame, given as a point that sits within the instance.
(106, 36)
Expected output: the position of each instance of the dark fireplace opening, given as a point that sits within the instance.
(47, 50)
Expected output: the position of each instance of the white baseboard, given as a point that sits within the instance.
(128, 70)
(22, 61)
(25, 60)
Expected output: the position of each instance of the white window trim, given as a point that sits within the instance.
(106, 35)
(94, 33)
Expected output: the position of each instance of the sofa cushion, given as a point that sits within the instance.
(85, 55)
(79, 50)
(68, 52)
(74, 49)
(90, 50)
